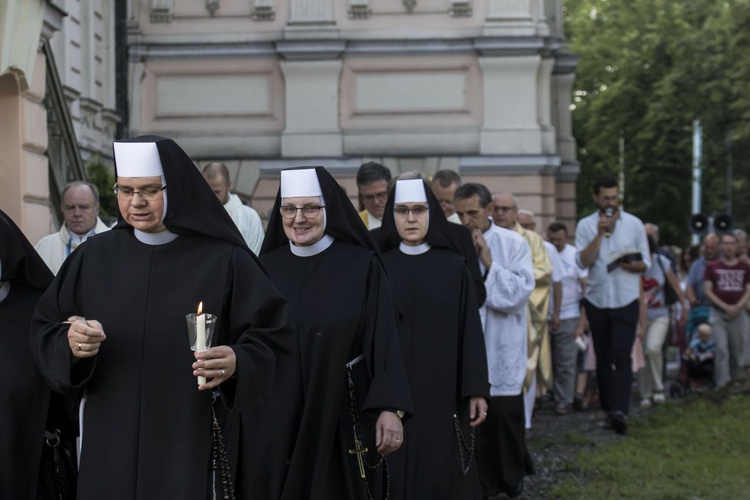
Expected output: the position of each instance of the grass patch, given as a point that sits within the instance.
(689, 449)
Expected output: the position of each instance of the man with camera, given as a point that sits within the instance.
(612, 245)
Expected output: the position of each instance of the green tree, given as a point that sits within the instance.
(103, 178)
(647, 69)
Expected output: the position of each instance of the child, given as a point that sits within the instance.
(700, 354)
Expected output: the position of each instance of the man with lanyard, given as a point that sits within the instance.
(80, 208)
(612, 245)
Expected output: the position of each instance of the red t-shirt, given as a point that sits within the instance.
(729, 281)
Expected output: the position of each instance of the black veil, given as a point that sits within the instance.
(20, 262)
(192, 207)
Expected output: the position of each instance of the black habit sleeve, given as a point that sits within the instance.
(474, 375)
(382, 348)
(257, 313)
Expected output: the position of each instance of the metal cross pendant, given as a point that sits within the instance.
(359, 450)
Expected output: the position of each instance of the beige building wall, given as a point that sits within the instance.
(482, 87)
(80, 34)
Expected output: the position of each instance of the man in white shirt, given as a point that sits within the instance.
(505, 261)
(568, 310)
(245, 218)
(80, 208)
(612, 245)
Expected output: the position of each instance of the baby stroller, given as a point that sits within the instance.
(695, 375)
(700, 372)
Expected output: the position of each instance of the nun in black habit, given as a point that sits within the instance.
(320, 255)
(443, 345)
(146, 423)
(24, 396)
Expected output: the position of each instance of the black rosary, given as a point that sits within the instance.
(359, 448)
(462, 447)
(219, 460)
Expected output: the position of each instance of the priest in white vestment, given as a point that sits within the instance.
(505, 261)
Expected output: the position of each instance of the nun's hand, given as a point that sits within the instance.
(477, 410)
(389, 433)
(216, 364)
(84, 337)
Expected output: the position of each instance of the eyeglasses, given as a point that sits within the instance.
(419, 210)
(503, 209)
(147, 193)
(308, 211)
(382, 196)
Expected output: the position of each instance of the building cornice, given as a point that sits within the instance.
(337, 166)
(510, 164)
(326, 49)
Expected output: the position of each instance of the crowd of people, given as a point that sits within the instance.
(395, 351)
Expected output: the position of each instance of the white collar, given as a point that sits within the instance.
(414, 250)
(161, 238)
(314, 249)
(233, 201)
(77, 239)
(4, 290)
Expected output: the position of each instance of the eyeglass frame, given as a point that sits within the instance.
(317, 209)
(148, 197)
(499, 208)
(411, 211)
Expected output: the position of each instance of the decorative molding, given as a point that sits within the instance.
(565, 63)
(312, 12)
(310, 51)
(569, 171)
(53, 20)
(263, 10)
(461, 8)
(336, 165)
(161, 11)
(508, 10)
(359, 9)
(410, 4)
(331, 49)
(510, 164)
(212, 6)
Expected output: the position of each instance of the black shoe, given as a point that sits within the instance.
(620, 422)
(578, 402)
(516, 492)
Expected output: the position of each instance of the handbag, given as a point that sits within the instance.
(58, 474)
(670, 296)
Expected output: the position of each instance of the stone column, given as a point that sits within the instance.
(312, 109)
(544, 109)
(562, 89)
(510, 106)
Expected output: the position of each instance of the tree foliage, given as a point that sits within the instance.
(647, 69)
(103, 178)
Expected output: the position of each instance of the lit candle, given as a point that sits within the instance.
(200, 341)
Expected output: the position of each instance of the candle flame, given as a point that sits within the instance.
(200, 308)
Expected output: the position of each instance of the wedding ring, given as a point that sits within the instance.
(79, 346)
(222, 372)
(485, 414)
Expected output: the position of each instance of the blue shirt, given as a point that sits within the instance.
(695, 279)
